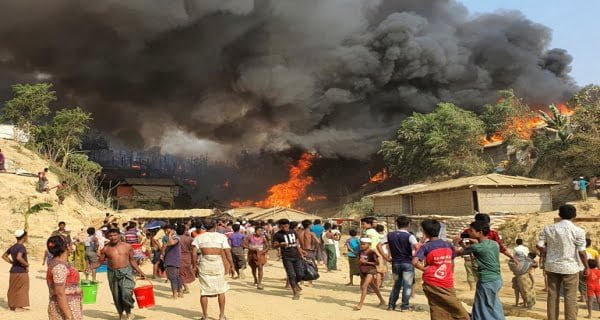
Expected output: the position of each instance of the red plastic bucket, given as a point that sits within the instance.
(144, 295)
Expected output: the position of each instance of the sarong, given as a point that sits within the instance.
(487, 305)
(525, 287)
(18, 290)
(353, 264)
(79, 257)
(443, 304)
(256, 259)
(239, 260)
(212, 275)
(185, 269)
(74, 302)
(122, 282)
(331, 257)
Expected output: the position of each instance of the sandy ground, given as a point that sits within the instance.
(327, 299)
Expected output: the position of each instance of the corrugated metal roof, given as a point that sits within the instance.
(488, 180)
(150, 181)
(142, 213)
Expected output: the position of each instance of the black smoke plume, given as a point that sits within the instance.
(335, 76)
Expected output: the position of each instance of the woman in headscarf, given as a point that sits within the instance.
(18, 283)
(63, 283)
(215, 248)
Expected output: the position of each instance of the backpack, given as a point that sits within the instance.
(311, 272)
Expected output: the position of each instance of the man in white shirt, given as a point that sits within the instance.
(521, 248)
(564, 246)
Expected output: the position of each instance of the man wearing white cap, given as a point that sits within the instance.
(18, 284)
(368, 261)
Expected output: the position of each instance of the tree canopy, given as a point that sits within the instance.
(445, 142)
(29, 103)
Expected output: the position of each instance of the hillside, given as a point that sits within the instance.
(528, 227)
(15, 190)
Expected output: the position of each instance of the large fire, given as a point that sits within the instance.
(379, 177)
(287, 194)
(523, 127)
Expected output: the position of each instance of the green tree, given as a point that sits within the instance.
(67, 129)
(445, 142)
(499, 118)
(29, 104)
(581, 155)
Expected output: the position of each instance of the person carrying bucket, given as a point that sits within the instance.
(121, 265)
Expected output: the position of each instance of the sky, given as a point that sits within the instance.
(575, 28)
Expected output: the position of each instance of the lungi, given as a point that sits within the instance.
(185, 269)
(239, 259)
(256, 259)
(79, 257)
(18, 290)
(353, 264)
(443, 304)
(122, 282)
(212, 275)
(487, 305)
(331, 257)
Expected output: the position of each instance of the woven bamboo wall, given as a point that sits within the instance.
(453, 202)
(515, 200)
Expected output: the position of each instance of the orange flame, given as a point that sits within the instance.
(288, 193)
(564, 109)
(238, 204)
(523, 127)
(379, 177)
(315, 198)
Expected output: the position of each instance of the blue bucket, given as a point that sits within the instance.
(102, 268)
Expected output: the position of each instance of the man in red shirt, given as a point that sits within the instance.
(435, 258)
(492, 235)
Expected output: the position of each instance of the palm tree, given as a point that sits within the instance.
(558, 123)
(32, 210)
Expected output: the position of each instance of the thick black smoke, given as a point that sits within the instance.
(336, 76)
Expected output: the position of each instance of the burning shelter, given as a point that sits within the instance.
(463, 196)
(149, 193)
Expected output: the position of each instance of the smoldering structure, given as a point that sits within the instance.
(334, 76)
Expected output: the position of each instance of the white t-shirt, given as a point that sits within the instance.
(521, 248)
(211, 240)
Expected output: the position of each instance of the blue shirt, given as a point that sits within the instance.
(582, 184)
(354, 244)
(317, 229)
(236, 239)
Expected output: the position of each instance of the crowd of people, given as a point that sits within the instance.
(209, 250)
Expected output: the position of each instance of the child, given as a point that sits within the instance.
(368, 262)
(435, 259)
(353, 246)
(593, 285)
(487, 305)
(523, 284)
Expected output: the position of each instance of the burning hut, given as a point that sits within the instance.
(149, 193)
(463, 196)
